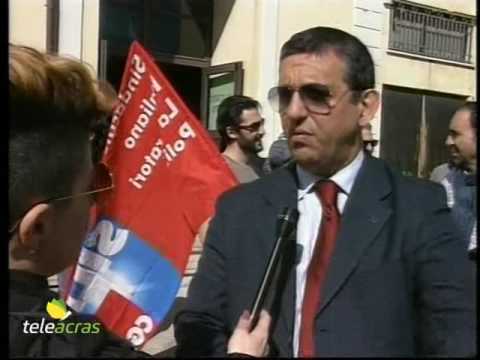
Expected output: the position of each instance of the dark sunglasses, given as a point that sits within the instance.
(102, 182)
(316, 98)
(254, 127)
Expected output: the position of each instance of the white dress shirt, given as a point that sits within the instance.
(309, 223)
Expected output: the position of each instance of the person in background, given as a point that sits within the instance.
(459, 175)
(380, 270)
(241, 131)
(54, 178)
(278, 155)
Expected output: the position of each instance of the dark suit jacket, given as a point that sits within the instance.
(397, 283)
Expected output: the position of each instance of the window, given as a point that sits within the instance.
(181, 27)
(414, 128)
(173, 27)
(429, 32)
(121, 22)
(219, 82)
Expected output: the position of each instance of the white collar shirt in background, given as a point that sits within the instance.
(309, 223)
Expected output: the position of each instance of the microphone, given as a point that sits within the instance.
(298, 254)
(287, 224)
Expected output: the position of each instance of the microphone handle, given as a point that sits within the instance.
(266, 281)
(286, 229)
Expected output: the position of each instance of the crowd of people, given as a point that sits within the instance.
(385, 265)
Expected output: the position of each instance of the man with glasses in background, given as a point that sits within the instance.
(241, 131)
(379, 270)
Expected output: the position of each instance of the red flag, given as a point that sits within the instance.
(168, 174)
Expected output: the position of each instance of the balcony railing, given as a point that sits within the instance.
(423, 32)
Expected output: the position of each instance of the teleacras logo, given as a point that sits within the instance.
(57, 309)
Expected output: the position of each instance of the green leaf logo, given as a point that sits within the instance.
(57, 309)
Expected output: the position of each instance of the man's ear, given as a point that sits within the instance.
(35, 226)
(369, 102)
(231, 132)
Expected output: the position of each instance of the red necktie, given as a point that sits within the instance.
(327, 191)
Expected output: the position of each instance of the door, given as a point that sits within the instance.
(219, 82)
(414, 127)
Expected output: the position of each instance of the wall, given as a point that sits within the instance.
(428, 75)
(236, 41)
(79, 30)
(33, 13)
(91, 33)
(298, 15)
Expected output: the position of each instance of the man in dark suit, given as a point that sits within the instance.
(381, 271)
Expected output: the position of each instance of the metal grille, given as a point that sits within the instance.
(435, 34)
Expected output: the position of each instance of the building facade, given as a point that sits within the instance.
(424, 53)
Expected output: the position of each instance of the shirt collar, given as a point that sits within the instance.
(344, 178)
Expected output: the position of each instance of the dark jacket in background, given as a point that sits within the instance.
(461, 191)
(278, 155)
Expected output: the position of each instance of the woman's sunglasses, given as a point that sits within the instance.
(102, 182)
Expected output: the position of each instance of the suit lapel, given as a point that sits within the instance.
(279, 193)
(364, 215)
